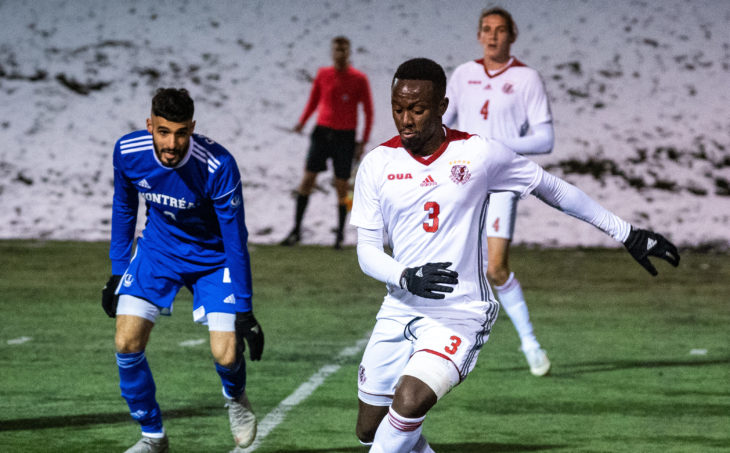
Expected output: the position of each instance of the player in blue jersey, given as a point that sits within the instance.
(195, 236)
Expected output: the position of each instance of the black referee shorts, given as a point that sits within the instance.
(331, 143)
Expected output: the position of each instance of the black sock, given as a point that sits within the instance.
(342, 211)
(302, 201)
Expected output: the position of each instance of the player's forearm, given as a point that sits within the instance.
(231, 219)
(124, 223)
(120, 249)
(373, 260)
(541, 141)
(369, 116)
(573, 201)
(312, 103)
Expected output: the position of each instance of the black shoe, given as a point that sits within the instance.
(293, 239)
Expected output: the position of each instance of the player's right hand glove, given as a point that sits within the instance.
(248, 329)
(108, 298)
(429, 280)
(644, 243)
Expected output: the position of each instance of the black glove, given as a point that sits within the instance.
(108, 298)
(644, 243)
(249, 329)
(425, 280)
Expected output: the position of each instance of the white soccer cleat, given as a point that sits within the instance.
(243, 421)
(150, 445)
(538, 360)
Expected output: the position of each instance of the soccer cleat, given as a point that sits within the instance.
(538, 361)
(150, 445)
(243, 421)
(292, 239)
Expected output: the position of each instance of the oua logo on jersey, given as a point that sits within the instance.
(393, 176)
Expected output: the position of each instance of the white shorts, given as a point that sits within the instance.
(135, 306)
(396, 338)
(501, 214)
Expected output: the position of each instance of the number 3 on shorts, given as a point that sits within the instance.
(455, 342)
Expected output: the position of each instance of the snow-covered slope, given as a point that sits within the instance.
(639, 92)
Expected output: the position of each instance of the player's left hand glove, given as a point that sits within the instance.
(109, 300)
(431, 280)
(248, 329)
(644, 243)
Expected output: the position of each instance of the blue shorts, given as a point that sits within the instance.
(157, 279)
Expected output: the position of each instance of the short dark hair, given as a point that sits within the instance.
(511, 25)
(173, 104)
(340, 40)
(423, 69)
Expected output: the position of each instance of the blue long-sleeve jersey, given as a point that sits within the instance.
(195, 210)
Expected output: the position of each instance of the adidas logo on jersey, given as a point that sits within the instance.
(231, 299)
(428, 182)
(144, 184)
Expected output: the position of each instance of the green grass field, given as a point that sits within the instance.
(640, 364)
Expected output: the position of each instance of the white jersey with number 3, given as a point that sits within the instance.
(501, 104)
(433, 209)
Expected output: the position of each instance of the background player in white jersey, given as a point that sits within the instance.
(195, 236)
(499, 97)
(427, 188)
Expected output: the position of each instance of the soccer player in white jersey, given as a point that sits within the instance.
(195, 236)
(428, 189)
(499, 97)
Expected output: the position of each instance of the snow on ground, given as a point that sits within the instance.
(639, 92)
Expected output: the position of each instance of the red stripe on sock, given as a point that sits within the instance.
(402, 425)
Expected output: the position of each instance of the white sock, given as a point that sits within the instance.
(397, 434)
(511, 298)
(422, 446)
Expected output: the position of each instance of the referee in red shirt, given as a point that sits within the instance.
(336, 92)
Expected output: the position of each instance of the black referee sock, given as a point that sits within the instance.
(302, 201)
(342, 211)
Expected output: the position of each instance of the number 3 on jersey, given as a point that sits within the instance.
(433, 216)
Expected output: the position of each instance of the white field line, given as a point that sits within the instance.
(190, 343)
(19, 340)
(276, 416)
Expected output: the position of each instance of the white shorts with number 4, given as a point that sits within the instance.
(396, 338)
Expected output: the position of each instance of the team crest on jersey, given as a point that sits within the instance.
(361, 375)
(127, 280)
(508, 88)
(460, 174)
